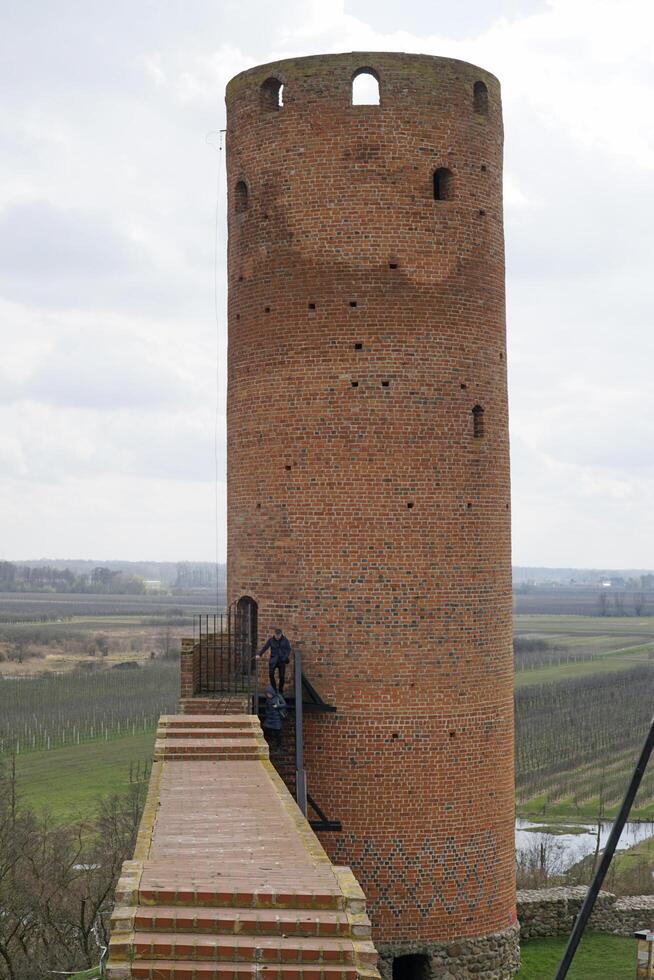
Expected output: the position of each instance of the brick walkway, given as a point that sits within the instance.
(228, 880)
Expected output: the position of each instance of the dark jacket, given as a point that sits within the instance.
(275, 712)
(280, 650)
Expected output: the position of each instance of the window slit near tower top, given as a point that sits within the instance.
(443, 184)
(365, 87)
(241, 196)
(480, 98)
(272, 95)
(478, 421)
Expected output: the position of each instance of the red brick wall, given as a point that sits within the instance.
(363, 514)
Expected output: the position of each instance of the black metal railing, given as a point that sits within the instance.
(226, 645)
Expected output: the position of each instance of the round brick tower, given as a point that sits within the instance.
(368, 473)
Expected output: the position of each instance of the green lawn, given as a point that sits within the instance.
(67, 781)
(599, 957)
(617, 643)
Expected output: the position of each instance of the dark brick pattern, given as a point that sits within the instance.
(444, 874)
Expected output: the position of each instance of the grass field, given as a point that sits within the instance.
(68, 781)
(607, 656)
(595, 644)
(599, 957)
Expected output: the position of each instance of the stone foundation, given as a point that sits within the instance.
(493, 957)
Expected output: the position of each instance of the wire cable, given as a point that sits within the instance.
(215, 140)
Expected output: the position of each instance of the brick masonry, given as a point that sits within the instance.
(366, 514)
(227, 881)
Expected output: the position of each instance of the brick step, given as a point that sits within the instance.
(241, 949)
(199, 756)
(199, 748)
(218, 707)
(197, 732)
(251, 922)
(220, 741)
(186, 969)
(237, 895)
(214, 721)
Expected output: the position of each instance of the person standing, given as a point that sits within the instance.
(273, 718)
(280, 652)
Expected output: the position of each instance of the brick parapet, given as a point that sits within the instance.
(189, 667)
(215, 888)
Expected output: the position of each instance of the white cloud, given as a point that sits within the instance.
(107, 394)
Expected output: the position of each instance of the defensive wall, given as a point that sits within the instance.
(552, 912)
(368, 471)
(228, 882)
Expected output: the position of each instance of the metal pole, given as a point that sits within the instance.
(614, 837)
(300, 775)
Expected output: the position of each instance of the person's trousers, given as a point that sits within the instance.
(280, 666)
(273, 737)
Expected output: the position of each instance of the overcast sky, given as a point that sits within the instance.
(107, 207)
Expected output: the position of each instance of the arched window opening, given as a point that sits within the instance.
(246, 628)
(272, 95)
(480, 98)
(365, 87)
(478, 422)
(413, 966)
(241, 197)
(443, 184)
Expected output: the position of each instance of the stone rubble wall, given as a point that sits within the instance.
(493, 957)
(552, 912)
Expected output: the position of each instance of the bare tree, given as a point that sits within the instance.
(57, 883)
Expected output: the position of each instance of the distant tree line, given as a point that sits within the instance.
(45, 578)
(621, 602)
(199, 575)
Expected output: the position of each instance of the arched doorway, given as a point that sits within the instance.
(246, 631)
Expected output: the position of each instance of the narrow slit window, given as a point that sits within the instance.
(365, 87)
(241, 197)
(443, 184)
(480, 98)
(478, 422)
(272, 95)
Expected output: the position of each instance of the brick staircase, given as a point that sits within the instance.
(209, 737)
(224, 705)
(228, 881)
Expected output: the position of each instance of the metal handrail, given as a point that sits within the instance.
(300, 774)
(225, 645)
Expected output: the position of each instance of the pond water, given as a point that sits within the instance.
(566, 848)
